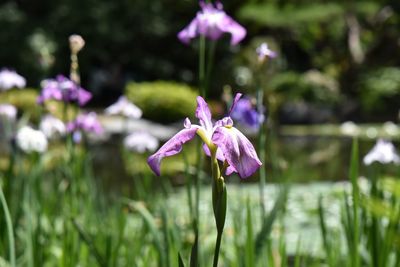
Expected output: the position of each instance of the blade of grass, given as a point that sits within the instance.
(195, 248)
(297, 259)
(10, 230)
(355, 255)
(89, 242)
(250, 239)
(180, 261)
(166, 237)
(266, 228)
(151, 224)
(324, 233)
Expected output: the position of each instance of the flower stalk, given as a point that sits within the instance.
(222, 142)
(219, 199)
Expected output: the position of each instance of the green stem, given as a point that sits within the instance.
(217, 247)
(188, 184)
(202, 92)
(9, 224)
(202, 59)
(210, 63)
(219, 199)
(261, 152)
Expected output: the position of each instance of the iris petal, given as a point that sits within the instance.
(237, 149)
(203, 114)
(170, 148)
(235, 101)
(212, 22)
(83, 96)
(235, 29)
(189, 32)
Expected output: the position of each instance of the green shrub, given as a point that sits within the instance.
(380, 86)
(163, 101)
(24, 100)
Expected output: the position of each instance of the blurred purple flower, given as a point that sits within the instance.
(212, 22)
(264, 52)
(141, 142)
(63, 89)
(231, 145)
(383, 152)
(10, 79)
(86, 122)
(8, 111)
(124, 107)
(52, 126)
(246, 114)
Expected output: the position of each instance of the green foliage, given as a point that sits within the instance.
(379, 86)
(312, 86)
(24, 100)
(294, 15)
(163, 101)
(291, 15)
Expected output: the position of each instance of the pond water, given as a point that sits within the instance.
(301, 154)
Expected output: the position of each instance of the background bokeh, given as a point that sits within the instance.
(338, 60)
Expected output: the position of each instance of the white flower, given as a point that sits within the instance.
(349, 128)
(124, 107)
(383, 152)
(30, 140)
(140, 142)
(52, 126)
(10, 79)
(8, 111)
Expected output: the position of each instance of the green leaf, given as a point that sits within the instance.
(266, 228)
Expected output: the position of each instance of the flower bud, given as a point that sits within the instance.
(76, 43)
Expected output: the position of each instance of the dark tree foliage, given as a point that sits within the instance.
(345, 41)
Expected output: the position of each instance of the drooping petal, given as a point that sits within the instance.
(189, 32)
(83, 96)
(203, 114)
(170, 148)
(237, 31)
(212, 22)
(237, 149)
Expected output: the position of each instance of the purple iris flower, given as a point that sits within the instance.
(264, 52)
(86, 122)
(212, 22)
(63, 89)
(246, 114)
(232, 146)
